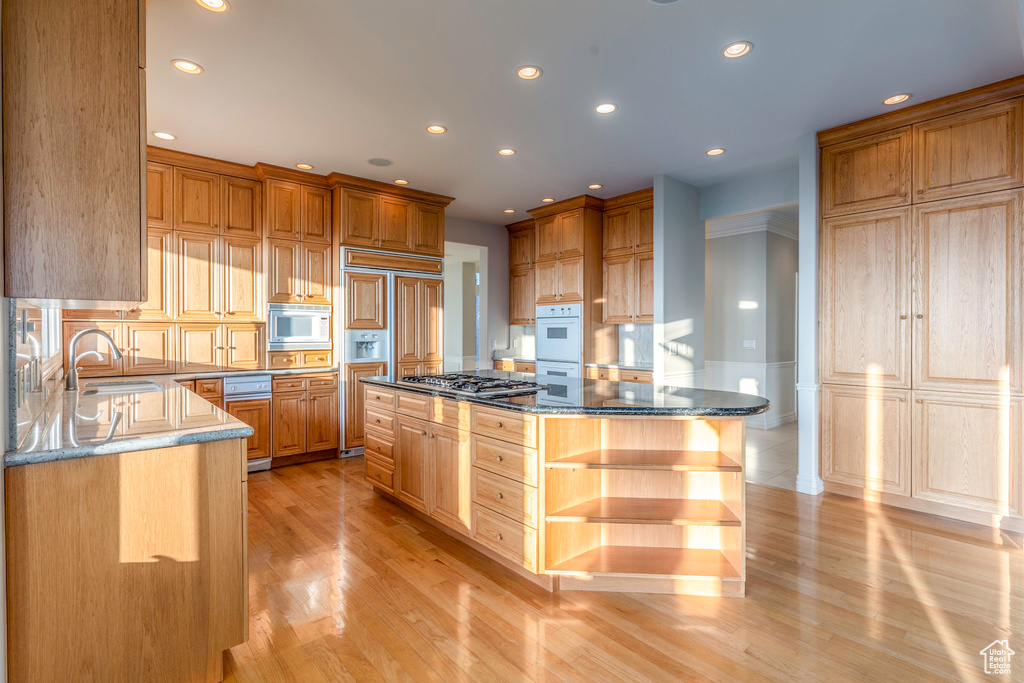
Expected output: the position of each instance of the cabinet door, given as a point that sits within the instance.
(451, 480)
(865, 437)
(408, 320)
(284, 271)
(619, 288)
(91, 366)
(867, 173)
(322, 420)
(365, 305)
(244, 347)
(522, 299)
(570, 280)
(354, 403)
(570, 228)
(429, 230)
(967, 451)
(283, 212)
(198, 294)
(315, 273)
(548, 238)
(159, 304)
(974, 151)
(359, 224)
(241, 203)
(256, 414)
(546, 282)
(242, 277)
(619, 232)
(967, 294)
(520, 249)
(396, 224)
(159, 196)
(644, 287)
(149, 349)
(865, 299)
(412, 463)
(645, 226)
(315, 214)
(289, 417)
(432, 340)
(199, 348)
(196, 200)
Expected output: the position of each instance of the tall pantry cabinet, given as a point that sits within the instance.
(922, 306)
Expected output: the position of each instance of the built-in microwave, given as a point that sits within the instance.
(298, 326)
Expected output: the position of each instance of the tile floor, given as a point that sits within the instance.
(772, 456)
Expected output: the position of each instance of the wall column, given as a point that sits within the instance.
(808, 479)
(678, 284)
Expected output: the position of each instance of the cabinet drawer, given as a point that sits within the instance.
(381, 421)
(505, 365)
(380, 474)
(505, 425)
(210, 388)
(316, 359)
(530, 368)
(284, 360)
(379, 444)
(505, 459)
(377, 397)
(451, 413)
(639, 376)
(322, 381)
(288, 383)
(516, 501)
(513, 540)
(416, 405)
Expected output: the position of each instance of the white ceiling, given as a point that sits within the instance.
(337, 82)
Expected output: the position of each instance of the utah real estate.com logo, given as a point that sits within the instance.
(997, 657)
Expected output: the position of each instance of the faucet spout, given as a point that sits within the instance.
(71, 382)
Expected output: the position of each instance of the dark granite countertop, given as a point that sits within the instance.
(573, 396)
(622, 366)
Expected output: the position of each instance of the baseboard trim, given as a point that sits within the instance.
(773, 420)
(286, 460)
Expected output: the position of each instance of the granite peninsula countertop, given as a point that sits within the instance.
(77, 424)
(580, 396)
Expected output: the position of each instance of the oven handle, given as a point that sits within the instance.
(246, 397)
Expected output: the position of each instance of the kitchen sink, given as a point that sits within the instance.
(112, 388)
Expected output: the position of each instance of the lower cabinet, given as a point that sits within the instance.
(354, 425)
(255, 413)
(412, 463)
(289, 423)
(147, 348)
(205, 347)
(305, 414)
(451, 470)
(322, 419)
(621, 375)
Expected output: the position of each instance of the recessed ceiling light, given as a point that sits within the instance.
(715, 151)
(436, 129)
(305, 167)
(162, 135)
(605, 108)
(897, 99)
(401, 181)
(213, 5)
(506, 151)
(594, 186)
(662, 2)
(733, 50)
(528, 73)
(186, 66)
(547, 200)
(510, 210)
(377, 161)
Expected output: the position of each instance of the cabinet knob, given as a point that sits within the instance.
(919, 192)
(378, 421)
(500, 425)
(423, 433)
(499, 458)
(919, 316)
(499, 537)
(919, 401)
(500, 495)
(903, 317)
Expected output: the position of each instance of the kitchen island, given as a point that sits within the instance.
(582, 485)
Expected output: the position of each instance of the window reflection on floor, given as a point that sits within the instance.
(772, 456)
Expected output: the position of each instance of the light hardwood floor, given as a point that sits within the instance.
(346, 586)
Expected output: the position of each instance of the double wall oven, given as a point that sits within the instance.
(560, 340)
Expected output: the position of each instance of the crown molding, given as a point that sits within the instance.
(762, 221)
(646, 195)
(172, 157)
(520, 225)
(293, 175)
(354, 182)
(584, 201)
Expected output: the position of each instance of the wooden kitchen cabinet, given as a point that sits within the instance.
(365, 301)
(396, 224)
(619, 231)
(388, 218)
(428, 230)
(242, 279)
(306, 415)
(645, 226)
(359, 211)
(255, 413)
(969, 152)
(547, 239)
(872, 172)
(241, 207)
(149, 348)
(546, 273)
(196, 201)
(198, 292)
(520, 248)
(290, 415)
(559, 281)
(619, 288)
(315, 214)
(412, 464)
(74, 150)
(419, 323)
(451, 467)
(644, 287)
(570, 233)
(628, 259)
(432, 327)
(315, 274)
(283, 209)
(199, 347)
(159, 196)
(522, 297)
(284, 271)
(91, 366)
(354, 399)
(161, 278)
(244, 346)
(323, 419)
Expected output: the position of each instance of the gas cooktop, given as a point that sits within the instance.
(472, 385)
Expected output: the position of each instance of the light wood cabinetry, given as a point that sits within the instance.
(199, 286)
(376, 216)
(283, 209)
(412, 465)
(419, 323)
(151, 543)
(305, 416)
(628, 268)
(161, 279)
(159, 196)
(290, 414)
(428, 230)
(255, 413)
(620, 288)
(522, 276)
(300, 266)
(621, 375)
(75, 207)
(365, 301)
(92, 365)
(922, 303)
(323, 417)
(359, 218)
(315, 214)
(283, 270)
(203, 347)
(242, 279)
(354, 419)
(149, 348)
(241, 207)
(196, 200)
(560, 236)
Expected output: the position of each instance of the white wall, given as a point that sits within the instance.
(736, 271)
(749, 193)
(493, 277)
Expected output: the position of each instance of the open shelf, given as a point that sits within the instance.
(668, 460)
(630, 561)
(695, 512)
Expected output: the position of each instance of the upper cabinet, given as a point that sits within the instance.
(522, 306)
(74, 149)
(365, 301)
(241, 207)
(315, 214)
(372, 215)
(196, 200)
(627, 249)
(283, 209)
(867, 173)
(159, 196)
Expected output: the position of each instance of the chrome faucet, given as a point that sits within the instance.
(71, 382)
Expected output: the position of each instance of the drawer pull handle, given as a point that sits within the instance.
(499, 537)
(500, 495)
(378, 421)
(500, 425)
(903, 317)
(919, 316)
(499, 458)
(423, 433)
